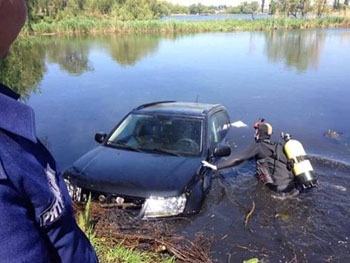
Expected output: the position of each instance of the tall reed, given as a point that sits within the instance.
(81, 25)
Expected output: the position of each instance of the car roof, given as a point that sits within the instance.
(178, 108)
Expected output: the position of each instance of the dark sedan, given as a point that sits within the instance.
(151, 161)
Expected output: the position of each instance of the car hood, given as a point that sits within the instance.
(138, 174)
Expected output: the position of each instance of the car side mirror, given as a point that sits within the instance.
(222, 150)
(100, 137)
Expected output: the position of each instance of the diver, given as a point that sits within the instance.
(273, 168)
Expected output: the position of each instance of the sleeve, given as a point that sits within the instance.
(239, 158)
(55, 217)
(71, 243)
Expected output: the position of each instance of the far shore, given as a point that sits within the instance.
(83, 25)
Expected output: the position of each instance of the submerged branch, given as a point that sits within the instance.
(116, 226)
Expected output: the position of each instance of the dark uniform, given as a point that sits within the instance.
(37, 223)
(271, 165)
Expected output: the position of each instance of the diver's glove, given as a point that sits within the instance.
(209, 165)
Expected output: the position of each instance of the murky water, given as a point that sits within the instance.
(312, 227)
(296, 80)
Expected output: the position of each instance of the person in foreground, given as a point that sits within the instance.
(37, 223)
(272, 166)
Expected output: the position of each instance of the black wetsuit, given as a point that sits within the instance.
(271, 164)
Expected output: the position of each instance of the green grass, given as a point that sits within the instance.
(121, 254)
(81, 25)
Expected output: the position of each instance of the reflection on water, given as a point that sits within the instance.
(24, 68)
(72, 55)
(127, 50)
(299, 49)
(297, 80)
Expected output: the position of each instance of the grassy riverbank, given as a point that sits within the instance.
(93, 25)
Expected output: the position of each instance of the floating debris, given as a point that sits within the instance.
(332, 133)
(238, 124)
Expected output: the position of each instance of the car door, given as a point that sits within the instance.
(218, 126)
(217, 129)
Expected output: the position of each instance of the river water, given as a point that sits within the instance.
(297, 80)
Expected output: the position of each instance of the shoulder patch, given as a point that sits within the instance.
(56, 209)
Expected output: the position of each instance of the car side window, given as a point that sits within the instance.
(218, 127)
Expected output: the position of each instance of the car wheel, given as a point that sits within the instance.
(74, 191)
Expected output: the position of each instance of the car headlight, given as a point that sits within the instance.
(164, 206)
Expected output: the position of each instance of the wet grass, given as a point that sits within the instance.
(120, 253)
(85, 25)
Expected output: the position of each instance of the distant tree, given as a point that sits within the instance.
(254, 8)
(102, 6)
(336, 4)
(175, 8)
(273, 7)
(291, 7)
(305, 7)
(158, 8)
(320, 7)
(193, 9)
(250, 8)
(32, 10)
(234, 10)
(76, 5)
(262, 6)
(198, 9)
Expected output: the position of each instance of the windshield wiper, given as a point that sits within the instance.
(124, 145)
(157, 150)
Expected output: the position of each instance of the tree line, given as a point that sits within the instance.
(125, 10)
(291, 8)
(302, 8)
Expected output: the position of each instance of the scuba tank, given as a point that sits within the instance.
(302, 168)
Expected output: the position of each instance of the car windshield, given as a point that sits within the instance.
(159, 134)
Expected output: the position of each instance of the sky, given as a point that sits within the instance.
(206, 2)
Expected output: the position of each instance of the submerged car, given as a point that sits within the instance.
(151, 160)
